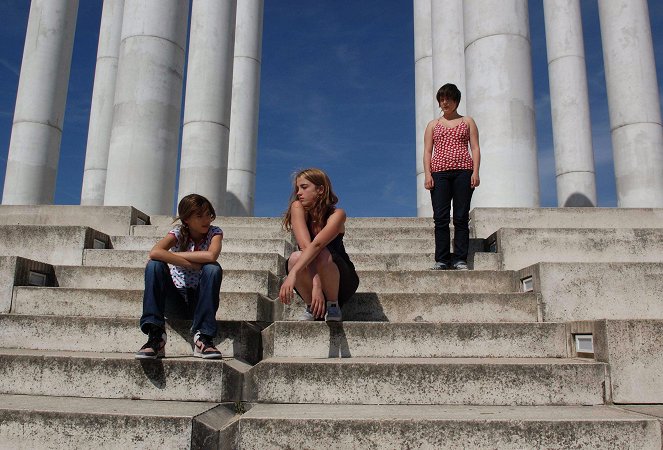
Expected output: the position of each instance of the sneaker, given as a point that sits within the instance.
(460, 265)
(203, 347)
(307, 315)
(440, 266)
(333, 313)
(154, 348)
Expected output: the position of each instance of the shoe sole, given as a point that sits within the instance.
(208, 356)
(149, 356)
(333, 319)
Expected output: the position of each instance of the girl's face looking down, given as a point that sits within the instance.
(448, 105)
(307, 192)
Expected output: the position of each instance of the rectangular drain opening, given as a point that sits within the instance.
(527, 284)
(584, 345)
(36, 278)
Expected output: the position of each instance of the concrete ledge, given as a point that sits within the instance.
(447, 426)
(486, 221)
(28, 421)
(430, 381)
(632, 348)
(593, 291)
(261, 282)
(229, 231)
(107, 219)
(145, 243)
(521, 247)
(240, 340)
(437, 281)
(117, 375)
(16, 271)
(50, 244)
(414, 340)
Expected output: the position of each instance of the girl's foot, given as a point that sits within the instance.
(204, 347)
(154, 348)
(333, 313)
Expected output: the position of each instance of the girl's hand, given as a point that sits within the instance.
(474, 181)
(428, 182)
(287, 292)
(317, 302)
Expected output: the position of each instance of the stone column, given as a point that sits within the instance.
(424, 95)
(241, 185)
(500, 98)
(569, 102)
(101, 110)
(142, 160)
(34, 147)
(633, 101)
(205, 134)
(448, 46)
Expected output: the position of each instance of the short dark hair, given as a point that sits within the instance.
(448, 91)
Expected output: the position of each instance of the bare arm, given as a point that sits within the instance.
(428, 154)
(299, 227)
(160, 253)
(204, 256)
(476, 152)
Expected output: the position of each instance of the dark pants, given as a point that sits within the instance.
(448, 186)
(162, 298)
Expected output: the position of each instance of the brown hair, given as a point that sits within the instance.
(189, 206)
(324, 205)
(448, 91)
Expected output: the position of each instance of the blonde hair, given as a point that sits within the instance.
(324, 204)
(190, 205)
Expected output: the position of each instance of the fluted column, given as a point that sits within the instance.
(142, 160)
(569, 102)
(240, 195)
(424, 94)
(101, 109)
(448, 46)
(34, 147)
(500, 98)
(633, 101)
(204, 157)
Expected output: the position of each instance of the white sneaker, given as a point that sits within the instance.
(307, 315)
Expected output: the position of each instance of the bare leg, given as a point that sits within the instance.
(329, 275)
(304, 284)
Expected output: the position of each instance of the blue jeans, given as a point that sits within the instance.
(448, 186)
(162, 298)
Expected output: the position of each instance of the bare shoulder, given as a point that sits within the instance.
(469, 120)
(431, 124)
(338, 215)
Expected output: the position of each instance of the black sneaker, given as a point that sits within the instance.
(154, 348)
(203, 347)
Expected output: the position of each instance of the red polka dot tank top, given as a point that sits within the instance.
(450, 148)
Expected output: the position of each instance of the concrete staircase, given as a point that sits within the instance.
(478, 359)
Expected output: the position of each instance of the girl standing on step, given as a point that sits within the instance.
(320, 271)
(451, 175)
(183, 278)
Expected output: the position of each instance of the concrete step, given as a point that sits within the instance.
(437, 281)
(598, 290)
(273, 262)
(405, 245)
(261, 282)
(166, 221)
(352, 222)
(486, 221)
(427, 381)
(234, 306)
(522, 247)
(429, 426)
(239, 340)
(455, 307)
(414, 340)
(145, 244)
(118, 375)
(230, 231)
(107, 219)
(50, 244)
(30, 422)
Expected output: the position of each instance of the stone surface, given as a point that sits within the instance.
(632, 348)
(591, 291)
(107, 219)
(50, 244)
(448, 426)
(394, 381)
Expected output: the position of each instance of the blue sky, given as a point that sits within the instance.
(337, 92)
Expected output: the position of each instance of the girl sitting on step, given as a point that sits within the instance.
(320, 271)
(183, 279)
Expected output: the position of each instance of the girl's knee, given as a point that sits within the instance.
(212, 270)
(292, 260)
(323, 259)
(153, 265)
